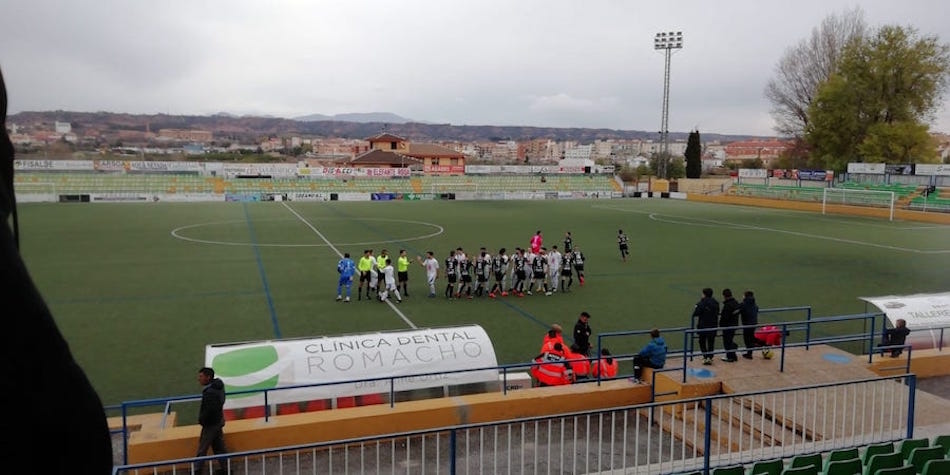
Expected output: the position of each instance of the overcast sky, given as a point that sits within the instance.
(583, 63)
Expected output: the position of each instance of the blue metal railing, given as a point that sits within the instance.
(909, 380)
(688, 338)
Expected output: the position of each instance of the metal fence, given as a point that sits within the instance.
(657, 438)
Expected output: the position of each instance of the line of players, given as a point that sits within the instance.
(524, 272)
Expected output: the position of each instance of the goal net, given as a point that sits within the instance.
(850, 197)
(32, 191)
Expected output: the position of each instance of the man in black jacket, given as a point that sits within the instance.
(210, 415)
(707, 314)
(55, 419)
(750, 316)
(582, 334)
(729, 318)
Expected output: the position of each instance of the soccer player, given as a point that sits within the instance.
(539, 272)
(431, 266)
(622, 243)
(536, 241)
(389, 276)
(365, 267)
(554, 267)
(579, 264)
(402, 272)
(346, 268)
(451, 273)
(499, 267)
(566, 274)
(482, 266)
(465, 274)
(380, 264)
(568, 243)
(520, 265)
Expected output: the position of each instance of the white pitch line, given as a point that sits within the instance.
(338, 253)
(700, 222)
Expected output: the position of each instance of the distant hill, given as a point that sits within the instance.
(361, 117)
(250, 129)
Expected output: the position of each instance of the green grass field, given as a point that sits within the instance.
(138, 304)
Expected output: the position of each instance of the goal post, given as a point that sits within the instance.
(852, 197)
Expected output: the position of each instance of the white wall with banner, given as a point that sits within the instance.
(279, 363)
(925, 314)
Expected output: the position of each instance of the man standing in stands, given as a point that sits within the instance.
(896, 336)
(346, 269)
(402, 272)
(210, 416)
(706, 314)
(750, 316)
(729, 318)
(365, 267)
(622, 244)
(582, 334)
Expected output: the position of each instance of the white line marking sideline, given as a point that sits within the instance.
(338, 253)
(701, 222)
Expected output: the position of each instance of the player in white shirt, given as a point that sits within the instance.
(554, 267)
(431, 265)
(389, 275)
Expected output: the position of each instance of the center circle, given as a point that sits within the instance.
(178, 233)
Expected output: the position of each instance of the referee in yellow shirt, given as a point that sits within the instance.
(365, 266)
(402, 272)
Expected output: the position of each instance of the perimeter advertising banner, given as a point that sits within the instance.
(922, 312)
(280, 363)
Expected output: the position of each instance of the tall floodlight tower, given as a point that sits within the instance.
(666, 41)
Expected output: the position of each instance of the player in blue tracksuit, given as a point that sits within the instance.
(346, 268)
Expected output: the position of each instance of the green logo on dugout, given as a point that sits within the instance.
(243, 363)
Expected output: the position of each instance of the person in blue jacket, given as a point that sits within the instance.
(653, 355)
(346, 268)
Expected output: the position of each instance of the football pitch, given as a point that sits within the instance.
(140, 289)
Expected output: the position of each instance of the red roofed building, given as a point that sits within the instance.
(766, 150)
(389, 150)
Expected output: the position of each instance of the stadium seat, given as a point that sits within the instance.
(345, 401)
(804, 470)
(369, 399)
(805, 460)
(908, 446)
(922, 455)
(943, 441)
(905, 470)
(844, 467)
(253, 412)
(288, 408)
(879, 461)
(872, 450)
(936, 467)
(843, 454)
(317, 405)
(769, 467)
(733, 470)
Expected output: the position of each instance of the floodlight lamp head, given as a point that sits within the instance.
(668, 40)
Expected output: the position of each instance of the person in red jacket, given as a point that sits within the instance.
(580, 365)
(554, 335)
(551, 369)
(605, 367)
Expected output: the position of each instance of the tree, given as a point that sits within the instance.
(875, 107)
(806, 66)
(694, 151)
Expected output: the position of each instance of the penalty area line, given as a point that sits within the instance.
(340, 254)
